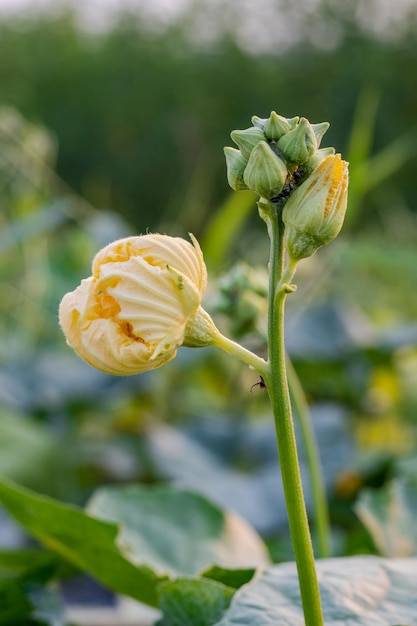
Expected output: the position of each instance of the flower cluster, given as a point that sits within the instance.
(274, 154)
(280, 159)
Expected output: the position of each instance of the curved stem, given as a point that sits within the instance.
(321, 510)
(277, 386)
(248, 357)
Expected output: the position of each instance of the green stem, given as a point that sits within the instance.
(321, 519)
(248, 357)
(277, 386)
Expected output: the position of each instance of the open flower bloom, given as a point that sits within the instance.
(139, 304)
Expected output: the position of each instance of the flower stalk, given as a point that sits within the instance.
(277, 385)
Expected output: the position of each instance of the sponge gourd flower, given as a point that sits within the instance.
(315, 212)
(140, 304)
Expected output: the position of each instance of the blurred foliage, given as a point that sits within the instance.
(141, 115)
(134, 121)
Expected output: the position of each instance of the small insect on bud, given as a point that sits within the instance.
(299, 144)
(265, 172)
(247, 139)
(314, 214)
(235, 163)
(260, 384)
(276, 126)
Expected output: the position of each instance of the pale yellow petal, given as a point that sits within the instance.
(131, 315)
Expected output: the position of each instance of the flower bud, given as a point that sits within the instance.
(265, 172)
(258, 121)
(137, 308)
(242, 296)
(275, 127)
(299, 144)
(293, 121)
(316, 159)
(319, 130)
(314, 213)
(235, 164)
(247, 139)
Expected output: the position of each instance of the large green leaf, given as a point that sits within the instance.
(389, 514)
(356, 591)
(88, 543)
(177, 532)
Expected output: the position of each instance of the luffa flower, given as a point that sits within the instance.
(141, 303)
(314, 214)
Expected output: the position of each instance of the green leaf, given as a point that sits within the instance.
(356, 591)
(88, 543)
(28, 565)
(234, 578)
(389, 514)
(25, 596)
(15, 607)
(177, 532)
(186, 602)
(47, 606)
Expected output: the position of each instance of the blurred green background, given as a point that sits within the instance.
(112, 127)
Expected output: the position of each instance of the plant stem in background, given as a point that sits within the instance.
(321, 510)
(277, 386)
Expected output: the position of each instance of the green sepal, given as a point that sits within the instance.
(247, 139)
(235, 163)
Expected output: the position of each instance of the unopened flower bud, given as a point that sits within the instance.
(276, 126)
(314, 213)
(139, 305)
(265, 172)
(259, 122)
(316, 159)
(247, 139)
(299, 144)
(242, 295)
(236, 164)
(293, 121)
(319, 131)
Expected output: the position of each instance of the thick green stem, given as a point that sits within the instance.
(274, 373)
(321, 518)
(277, 386)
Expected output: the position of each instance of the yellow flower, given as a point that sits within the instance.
(315, 212)
(139, 305)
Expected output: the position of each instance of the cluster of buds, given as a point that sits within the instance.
(280, 159)
(242, 295)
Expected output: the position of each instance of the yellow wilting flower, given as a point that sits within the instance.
(315, 212)
(141, 303)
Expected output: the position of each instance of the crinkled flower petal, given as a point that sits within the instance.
(132, 314)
